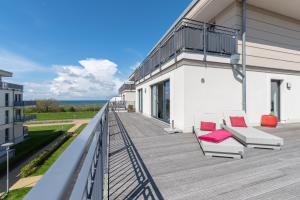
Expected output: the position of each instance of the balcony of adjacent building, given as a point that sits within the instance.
(25, 118)
(10, 86)
(191, 40)
(127, 86)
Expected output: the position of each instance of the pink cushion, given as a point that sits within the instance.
(216, 136)
(207, 126)
(238, 122)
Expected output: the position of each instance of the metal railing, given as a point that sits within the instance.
(122, 105)
(5, 85)
(190, 36)
(19, 103)
(81, 172)
(126, 87)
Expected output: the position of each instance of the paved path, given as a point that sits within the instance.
(26, 182)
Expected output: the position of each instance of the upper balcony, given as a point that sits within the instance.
(192, 37)
(127, 86)
(12, 86)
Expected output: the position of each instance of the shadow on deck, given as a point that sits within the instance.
(128, 176)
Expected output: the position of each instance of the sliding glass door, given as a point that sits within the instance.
(160, 101)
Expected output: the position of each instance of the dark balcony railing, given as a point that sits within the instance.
(29, 117)
(19, 119)
(5, 85)
(19, 103)
(190, 36)
(126, 86)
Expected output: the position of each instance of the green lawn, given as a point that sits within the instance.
(17, 194)
(64, 115)
(47, 164)
(37, 139)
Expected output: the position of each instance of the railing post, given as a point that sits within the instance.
(204, 41)
(175, 44)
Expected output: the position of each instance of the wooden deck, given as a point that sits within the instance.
(147, 163)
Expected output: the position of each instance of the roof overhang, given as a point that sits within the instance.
(4, 73)
(288, 8)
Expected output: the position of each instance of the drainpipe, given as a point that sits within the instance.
(244, 30)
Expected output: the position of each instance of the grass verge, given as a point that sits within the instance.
(37, 139)
(49, 162)
(17, 194)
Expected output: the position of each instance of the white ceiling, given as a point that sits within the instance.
(206, 9)
(289, 8)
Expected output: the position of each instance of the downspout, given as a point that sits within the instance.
(244, 30)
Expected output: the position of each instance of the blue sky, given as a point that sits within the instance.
(76, 49)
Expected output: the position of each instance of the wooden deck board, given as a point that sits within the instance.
(177, 169)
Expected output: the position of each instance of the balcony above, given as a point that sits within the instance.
(127, 86)
(11, 86)
(192, 37)
(18, 103)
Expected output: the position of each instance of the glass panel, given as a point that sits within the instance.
(166, 101)
(275, 98)
(154, 101)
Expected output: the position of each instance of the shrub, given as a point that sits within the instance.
(32, 166)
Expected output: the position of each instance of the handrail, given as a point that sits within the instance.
(189, 36)
(81, 168)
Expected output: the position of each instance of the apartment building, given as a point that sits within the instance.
(222, 55)
(11, 110)
(127, 93)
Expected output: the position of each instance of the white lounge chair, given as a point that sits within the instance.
(228, 148)
(251, 137)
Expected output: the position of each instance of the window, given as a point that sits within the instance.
(6, 135)
(6, 116)
(18, 114)
(6, 99)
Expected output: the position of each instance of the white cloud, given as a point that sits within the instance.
(94, 79)
(18, 64)
(91, 79)
(37, 90)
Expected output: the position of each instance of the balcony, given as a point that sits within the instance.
(127, 86)
(18, 103)
(5, 85)
(24, 118)
(193, 37)
(147, 163)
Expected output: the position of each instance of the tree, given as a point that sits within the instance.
(48, 105)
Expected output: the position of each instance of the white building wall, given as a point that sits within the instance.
(219, 92)
(176, 78)
(128, 95)
(259, 96)
(15, 131)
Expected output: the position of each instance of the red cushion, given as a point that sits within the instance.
(238, 122)
(207, 126)
(216, 136)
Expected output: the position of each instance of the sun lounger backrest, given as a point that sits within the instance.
(208, 117)
(233, 113)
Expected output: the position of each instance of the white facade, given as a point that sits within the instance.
(11, 112)
(198, 86)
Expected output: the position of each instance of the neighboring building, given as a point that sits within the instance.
(196, 66)
(11, 111)
(127, 93)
